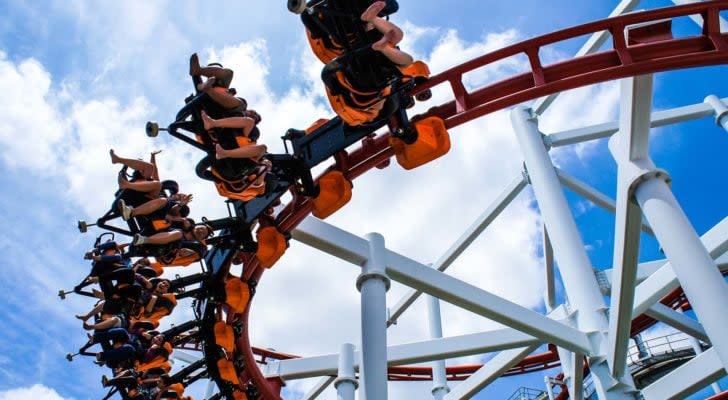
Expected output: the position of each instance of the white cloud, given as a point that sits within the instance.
(35, 392)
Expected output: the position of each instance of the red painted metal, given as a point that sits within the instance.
(719, 396)
(624, 60)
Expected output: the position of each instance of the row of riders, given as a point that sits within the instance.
(132, 296)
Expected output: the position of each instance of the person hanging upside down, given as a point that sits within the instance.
(172, 209)
(217, 84)
(197, 234)
(146, 179)
(392, 34)
(248, 123)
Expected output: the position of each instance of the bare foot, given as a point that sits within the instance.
(207, 122)
(82, 317)
(154, 153)
(384, 41)
(220, 153)
(373, 11)
(114, 157)
(206, 85)
(194, 65)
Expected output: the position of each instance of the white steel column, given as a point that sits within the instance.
(345, 382)
(696, 271)
(698, 348)
(373, 284)
(439, 377)
(629, 147)
(580, 283)
(721, 110)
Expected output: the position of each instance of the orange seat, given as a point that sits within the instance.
(319, 123)
(433, 141)
(237, 295)
(224, 336)
(416, 70)
(319, 48)
(271, 246)
(227, 371)
(335, 193)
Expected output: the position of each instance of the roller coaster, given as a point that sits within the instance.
(371, 96)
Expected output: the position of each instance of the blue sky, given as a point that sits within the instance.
(79, 77)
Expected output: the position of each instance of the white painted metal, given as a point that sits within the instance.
(662, 282)
(316, 391)
(688, 378)
(698, 348)
(721, 110)
(352, 248)
(411, 353)
(629, 147)
(489, 372)
(439, 378)
(373, 284)
(345, 382)
(592, 45)
(693, 265)
(509, 193)
(549, 388)
(580, 283)
(678, 321)
(659, 118)
(576, 383)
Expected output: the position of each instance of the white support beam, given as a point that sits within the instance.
(593, 195)
(593, 44)
(678, 321)
(354, 249)
(488, 373)
(644, 271)
(659, 118)
(411, 353)
(698, 19)
(688, 378)
(576, 383)
(581, 286)
(321, 385)
(693, 265)
(509, 193)
(630, 146)
(662, 282)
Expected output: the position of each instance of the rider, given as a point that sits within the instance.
(146, 176)
(391, 34)
(217, 85)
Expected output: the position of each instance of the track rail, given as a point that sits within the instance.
(626, 58)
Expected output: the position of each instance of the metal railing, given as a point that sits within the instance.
(525, 393)
(659, 346)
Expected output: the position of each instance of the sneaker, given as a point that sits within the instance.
(138, 239)
(69, 356)
(104, 381)
(125, 210)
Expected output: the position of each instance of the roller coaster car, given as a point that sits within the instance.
(144, 225)
(333, 26)
(169, 255)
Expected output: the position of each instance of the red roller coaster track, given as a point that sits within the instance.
(634, 52)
